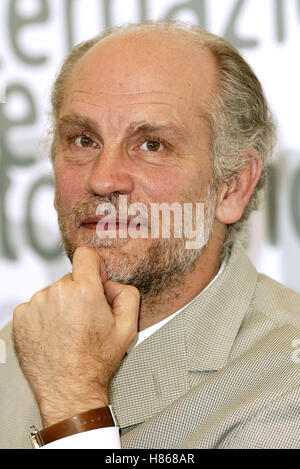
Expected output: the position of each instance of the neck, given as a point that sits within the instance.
(175, 296)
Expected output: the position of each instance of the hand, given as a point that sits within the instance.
(71, 337)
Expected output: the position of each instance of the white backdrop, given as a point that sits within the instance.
(35, 35)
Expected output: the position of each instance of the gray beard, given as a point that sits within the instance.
(162, 268)
(165, 261)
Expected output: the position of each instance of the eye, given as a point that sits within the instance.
(152, 145)
(84, 141)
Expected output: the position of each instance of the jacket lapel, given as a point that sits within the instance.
(141, 387)
(199, 339)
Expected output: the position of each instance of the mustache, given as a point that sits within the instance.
(88, 208)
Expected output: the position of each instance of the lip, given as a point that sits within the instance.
(113, 225)
(92, 223)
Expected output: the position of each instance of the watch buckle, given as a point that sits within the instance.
(36, 437)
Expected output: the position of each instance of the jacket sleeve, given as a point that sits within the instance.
(275, 427)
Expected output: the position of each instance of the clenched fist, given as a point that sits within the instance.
(71, 337)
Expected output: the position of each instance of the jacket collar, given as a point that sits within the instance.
(199, 339)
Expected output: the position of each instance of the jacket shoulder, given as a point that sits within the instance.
(278, 303)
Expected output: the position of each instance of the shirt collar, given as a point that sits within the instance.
(144, 334)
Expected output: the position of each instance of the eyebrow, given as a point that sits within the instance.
(134, 128)
(152, 128)
(79, 121)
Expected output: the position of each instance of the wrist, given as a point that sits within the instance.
(55, 412)
(85, 421)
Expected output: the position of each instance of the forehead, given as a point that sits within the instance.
(157, 63)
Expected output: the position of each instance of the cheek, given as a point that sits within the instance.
(161, 186)
(69, 185)
(171, 185)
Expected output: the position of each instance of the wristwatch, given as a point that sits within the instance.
(90, 420)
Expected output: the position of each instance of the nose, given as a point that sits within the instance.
(110, 174)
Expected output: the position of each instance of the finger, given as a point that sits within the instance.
(120, 295)
(86, 266)
(125, 302)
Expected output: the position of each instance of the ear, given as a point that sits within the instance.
(54, 203)
(234, 195)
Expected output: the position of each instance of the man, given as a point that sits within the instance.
(159, 113)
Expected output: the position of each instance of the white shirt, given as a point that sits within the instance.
(109, 437)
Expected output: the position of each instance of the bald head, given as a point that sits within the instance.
(179, 53)
(170, 55)
(152, 62)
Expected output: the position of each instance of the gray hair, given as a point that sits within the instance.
(239, 116)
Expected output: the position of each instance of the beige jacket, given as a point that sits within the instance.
(224, 373)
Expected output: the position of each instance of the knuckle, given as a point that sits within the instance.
(38, 297)
(19, 316)
(56, 290)
(87, 291)
(134, 293)
(133, 290)
(19, 309)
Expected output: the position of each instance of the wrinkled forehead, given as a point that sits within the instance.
(139, 65)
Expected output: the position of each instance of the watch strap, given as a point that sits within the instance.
(91, 420)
